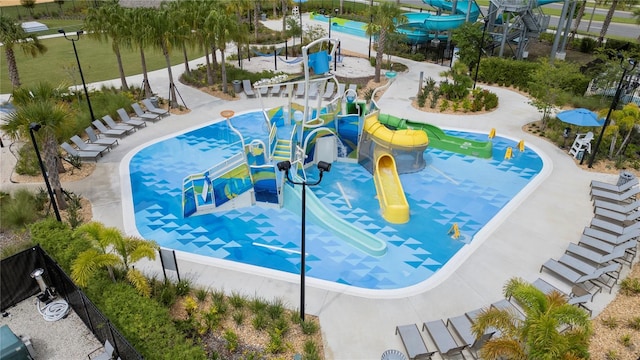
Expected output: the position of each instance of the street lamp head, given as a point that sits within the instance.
(284, 165)
(324, 166)
(34, 126)
(61, 31)
(80, 32)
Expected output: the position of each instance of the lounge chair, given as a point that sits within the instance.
(313, 90)
(288, 90)
(461, 325)
(581, 144)
(616, 227)
(596, 257)
(105, 353)
(575, 277)
(618, 206)
(600, 185)
(88, 147)
(126, 119)
(144, 115)
(616, 216)
(264, 91)
(578, 296)
(442, 338)
(610, 237)
(507, 305)
(341, 90)
(275, 90)
(300, 90)
(248, 90)
(604, 247)
(627, 195)
(82, 154)
(353, 87)
(94, 139)
(328, 91)
(113, 125)
(108, 132)
(154, 109)
(413, 343)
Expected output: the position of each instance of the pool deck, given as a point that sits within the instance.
(540, 226)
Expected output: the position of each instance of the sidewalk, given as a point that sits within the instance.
(538, 226)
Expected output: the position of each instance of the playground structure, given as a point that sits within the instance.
(344, 128)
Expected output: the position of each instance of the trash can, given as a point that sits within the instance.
(625, 177)
(237, 86)
(263, 17)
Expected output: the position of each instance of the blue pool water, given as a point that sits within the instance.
(453, 188)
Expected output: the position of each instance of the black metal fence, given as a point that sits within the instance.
(16, 285)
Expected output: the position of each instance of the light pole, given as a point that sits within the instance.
(300, 15)
(75, 51)
(35, 127)
(484, 30)
(324, 12)
(322, 167)
(614, 104)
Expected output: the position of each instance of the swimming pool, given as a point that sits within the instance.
(453, 188)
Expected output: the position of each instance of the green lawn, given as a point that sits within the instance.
(58, 65)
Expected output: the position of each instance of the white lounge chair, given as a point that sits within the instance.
(248, 90)
(108, 132)
(288, 90)
(264, 91)
(328, 91)
(341, 90)
(628, 195)
(144, 115)
(113, 125)
(94, 139)
(88, 147)
(126, 119)
(313, 90)
(600, 185)
(153, 109)
(275, 90)
(300, 90)
(621, 207)
(596, 257)
(581, 144)
(84, 155)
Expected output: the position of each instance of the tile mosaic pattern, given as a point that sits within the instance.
(453, 188)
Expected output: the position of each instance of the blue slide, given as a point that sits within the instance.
(421, 27)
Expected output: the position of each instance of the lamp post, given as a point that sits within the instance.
(324, 12)
(484, 30)
(300, 15)
(75, 51)
(614, 104)
(35, 127)
(286, 166)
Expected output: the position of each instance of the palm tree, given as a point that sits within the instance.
(625, 120)
(40, 104)
(183, 14)
(226, 28)
(12, 35)
(140, 38)
(578, 19)
(607, 21)
(163, 37)
(539, 335)
(386, 16)
(109, 22)
(112, 250)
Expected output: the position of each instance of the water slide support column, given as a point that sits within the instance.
(556, 40)
(567, 29)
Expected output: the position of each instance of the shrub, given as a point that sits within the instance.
(237, 301)
(73, 210)
(238, 317)
(311, 351)
(444, 105)
(276, 342)
(610, 322)
(587, 45)
(275, 309)
(19, 211)
(309, 327)
(59, 241)
(490, 100)
(634, 323)
(201, 294)
(626, 340)
(232, 340)
(259, 321)
(630, 286)
(27, 163)
(183, 287)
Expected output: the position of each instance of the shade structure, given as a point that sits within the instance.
(580, 117)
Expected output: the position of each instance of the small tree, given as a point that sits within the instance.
(29, 5)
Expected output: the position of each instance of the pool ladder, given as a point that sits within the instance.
(282, 150)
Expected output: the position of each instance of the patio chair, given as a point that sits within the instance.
(288, 90)
(627, 195)
(113, 125)
(300, 90)
(103, 353)
(617, 206)
(413, 343)
(596, 257)
(328, 91)
(507, 305)
(147, 116)
(341, 90)
(461, 325)
(581, 144)
(578, 296)
(80, 144)
(601, 185)
(313, 90)
(126, 119)
(575, 277)
(616, 216)
(353, 87)
(108, 132)
(610, 237)
(83, 155)
(275, 90)
(442, 338)
(248, 90)
(264, 91)
(604, 247)
(154, 109)
(616, 227)
(94, 139)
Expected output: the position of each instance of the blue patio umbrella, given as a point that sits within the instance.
(580, 117)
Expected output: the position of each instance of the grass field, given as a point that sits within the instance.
(58, 65)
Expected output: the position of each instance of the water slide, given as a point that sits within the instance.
(439, 139)
(393, 203)
(319, 214)
(421, 27)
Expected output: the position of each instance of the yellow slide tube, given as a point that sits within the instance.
(393, 203)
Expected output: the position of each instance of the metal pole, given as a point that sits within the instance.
(300, 14)
(303, 249)
(614, 104)
(35, 127)
(484, 30)
(75, 51)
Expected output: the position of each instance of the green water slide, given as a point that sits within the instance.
(438, 139)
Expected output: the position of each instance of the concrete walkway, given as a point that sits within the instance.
(536, 226)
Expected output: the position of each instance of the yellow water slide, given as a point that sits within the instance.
(393, 202)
